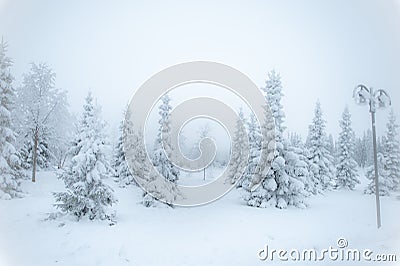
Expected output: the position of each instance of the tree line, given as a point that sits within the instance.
(38, 131)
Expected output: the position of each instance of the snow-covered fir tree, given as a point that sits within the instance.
(162, 151)
(385, 183)
(320, 160)
(238, 160)
(388, 161)
(143, 169)
(346, 168)
(162, 146)
(273, 96)
(264, 195)
(10, 173)
(254, 138)
(87, 194)
(284, 182)
(122, 173)
(391, 149)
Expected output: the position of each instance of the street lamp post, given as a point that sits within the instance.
(377, 100)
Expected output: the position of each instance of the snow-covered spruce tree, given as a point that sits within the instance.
(238, 161)
(10, 172)
(142, 169)
(385, 183)
(320, 160)
(122, 173)
(86, 193)
(162, 148)
(388, 161)
(160, 159)
(346, 168)
(284, 182)
(254, 137)
(391, 151)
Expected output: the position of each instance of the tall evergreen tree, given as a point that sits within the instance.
(320, 160)
(161, 155)
(391, 151)
(284, 182)
(86, 193)
(346, 172)
(10, 172)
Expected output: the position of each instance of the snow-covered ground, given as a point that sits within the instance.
(197, 178)
(226, 232)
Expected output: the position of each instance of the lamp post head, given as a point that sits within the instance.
(362, 95)
(382, 99)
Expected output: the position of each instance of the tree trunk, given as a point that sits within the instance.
(34, 154)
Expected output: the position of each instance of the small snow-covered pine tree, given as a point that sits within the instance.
(10, 172)
(254, 136)
(238, 162)
(43, 157)
(144, 171)
(160, 159)
(87, 195)
(122, 173)
(346, 168)
(320, 160)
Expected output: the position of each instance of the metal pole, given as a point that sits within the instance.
(378, 205)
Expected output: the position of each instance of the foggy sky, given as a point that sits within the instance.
(322, 49)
